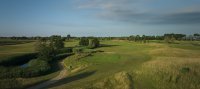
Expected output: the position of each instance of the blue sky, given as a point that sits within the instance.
(98, 17)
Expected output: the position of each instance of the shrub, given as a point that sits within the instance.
(36, 67)
(65, 50)
(185, 70)
(77, 50)
(10, 84)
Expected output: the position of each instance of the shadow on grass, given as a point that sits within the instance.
(106, 45)
(55, 68)
(72, 78)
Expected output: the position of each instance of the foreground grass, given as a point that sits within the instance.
(127, 65)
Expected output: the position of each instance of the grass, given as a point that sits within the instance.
(10, 50)
(127, 65)
(13, 42)
(117, 57)
(7, 51)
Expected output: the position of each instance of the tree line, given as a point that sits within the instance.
(68, 37)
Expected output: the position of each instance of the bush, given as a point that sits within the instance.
(65, 50)
(185, 70)
(10, 84)
(77, 50)
(36, 67)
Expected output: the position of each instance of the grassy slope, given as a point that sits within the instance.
(150, 66)
(11, 50)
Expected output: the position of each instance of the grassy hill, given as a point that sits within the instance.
(127, 65)
(123, 65)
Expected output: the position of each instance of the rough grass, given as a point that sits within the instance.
(130, 65)
(176, 67)
(172, 72)
(121, 80)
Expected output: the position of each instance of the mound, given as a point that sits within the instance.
(121, 80)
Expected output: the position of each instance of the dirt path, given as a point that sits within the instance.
(62, 74)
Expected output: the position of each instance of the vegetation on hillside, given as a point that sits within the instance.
(139, 62)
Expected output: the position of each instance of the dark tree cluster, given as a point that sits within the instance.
(84, 41)
(94, 43)
(89, 42)
(48, 49)
(138, 38)
(175, 36)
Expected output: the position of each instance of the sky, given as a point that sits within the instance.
(98, 17)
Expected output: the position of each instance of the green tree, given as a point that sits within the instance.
(144, 38)
(94, 43)
(68, 37)
(84, 41)
(137, 38)
(169, 39)
(45, 51)
(56, 42)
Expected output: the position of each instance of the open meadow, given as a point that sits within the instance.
(130, 65)
(120, 64)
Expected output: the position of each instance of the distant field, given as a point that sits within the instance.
(13, 42)
(11, 50)
(126, 65)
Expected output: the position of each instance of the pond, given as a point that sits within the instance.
(24, 65)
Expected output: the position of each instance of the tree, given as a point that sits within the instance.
(169, 39)
(144, 38)
(196, 34)
(84, 41)
(137, 38)
(132, 38)
(68, 37)
(94, 43)
(56, 42)
(45, 51)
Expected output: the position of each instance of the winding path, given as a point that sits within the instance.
(62, 74)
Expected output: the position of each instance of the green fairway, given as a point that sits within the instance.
(142, 66)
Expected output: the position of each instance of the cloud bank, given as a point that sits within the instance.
(144, 11)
